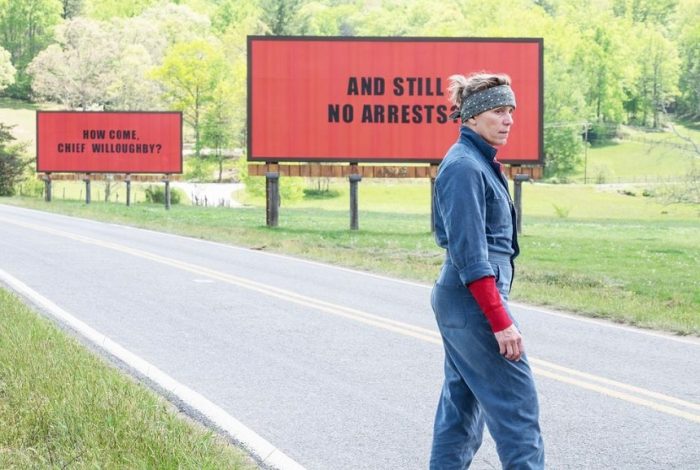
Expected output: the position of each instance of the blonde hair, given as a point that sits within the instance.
(460, 86)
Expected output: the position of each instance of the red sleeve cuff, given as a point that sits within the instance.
(486, 295)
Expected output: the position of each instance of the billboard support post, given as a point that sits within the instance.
(47, 186)
(127, 180)
(354, 179)
(87, 188)
(272, 193)
(518, 185)
(166, 180)
(433, 174)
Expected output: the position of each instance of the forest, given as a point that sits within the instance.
(607, 63)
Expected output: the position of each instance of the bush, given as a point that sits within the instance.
(561, 211)
(32, 187)
(199, 169)
(320, 193)
(12, 165)
(291, 188)
(156, 195)
(601, 133)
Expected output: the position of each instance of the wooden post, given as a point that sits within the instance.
(87, 188)
(433, 173)
(354, 178)
(127, 180)
(518, 185)
(272, 197)
(47, 186)
(167, 192)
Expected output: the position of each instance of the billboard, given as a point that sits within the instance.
(109, 142)
(380, 99)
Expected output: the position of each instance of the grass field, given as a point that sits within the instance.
(642, 156)
(61, 407)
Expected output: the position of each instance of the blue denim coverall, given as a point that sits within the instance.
(475, 223)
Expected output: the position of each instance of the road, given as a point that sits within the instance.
(340, 369)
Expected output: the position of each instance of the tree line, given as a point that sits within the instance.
(606, 62)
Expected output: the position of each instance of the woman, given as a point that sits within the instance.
(487, 376)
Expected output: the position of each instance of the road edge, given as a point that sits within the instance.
(263, 451)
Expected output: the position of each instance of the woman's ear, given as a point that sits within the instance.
(472, 121)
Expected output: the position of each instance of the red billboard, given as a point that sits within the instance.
(109, 142)
(380, 99)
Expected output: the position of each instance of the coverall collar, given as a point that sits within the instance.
(468, 135)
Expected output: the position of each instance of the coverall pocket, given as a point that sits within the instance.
(451, 305)
(504, 275)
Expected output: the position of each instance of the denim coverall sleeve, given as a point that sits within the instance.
(461, 202)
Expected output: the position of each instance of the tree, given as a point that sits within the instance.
(78, 69)
(237, 14)
(281, 16)
(658, 74)
(26, 27)
(603, 73)
(646, 11)
(190, 74)
(177, 23)
(689, 51)
(130, 87)
(7, 71)
(72, 8)
(12, 165)
(565, 106)
(107, 9)
(219, 130)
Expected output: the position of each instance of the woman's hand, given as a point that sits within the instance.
(510, 343)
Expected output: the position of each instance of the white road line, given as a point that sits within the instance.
(254, 443)
(600, 322)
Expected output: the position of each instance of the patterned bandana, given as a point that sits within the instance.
(490, 98)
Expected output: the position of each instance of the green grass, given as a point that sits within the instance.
(627, 258)
(642, 157)
(22, 116)
(62, 407)
(639, 272)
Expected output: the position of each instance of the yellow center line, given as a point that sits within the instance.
(540, 367)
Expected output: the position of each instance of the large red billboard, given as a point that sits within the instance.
(380, 99)
(109, 142)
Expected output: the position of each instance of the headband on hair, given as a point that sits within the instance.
(490, 98)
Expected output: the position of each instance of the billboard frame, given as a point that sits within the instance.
(251, 38)
(181, 159)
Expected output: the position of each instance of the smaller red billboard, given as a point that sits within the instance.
(109, 142)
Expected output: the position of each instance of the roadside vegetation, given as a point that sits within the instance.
(62, 407)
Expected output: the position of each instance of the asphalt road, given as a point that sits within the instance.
(341, 369)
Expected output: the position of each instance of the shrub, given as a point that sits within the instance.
(291, 188)
(562, 212)
(156, 195)
(320, 193)
(32, 187)
(12, 165)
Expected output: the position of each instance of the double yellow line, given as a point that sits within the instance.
(629, 393)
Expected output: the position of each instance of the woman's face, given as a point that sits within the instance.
(493, 125)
